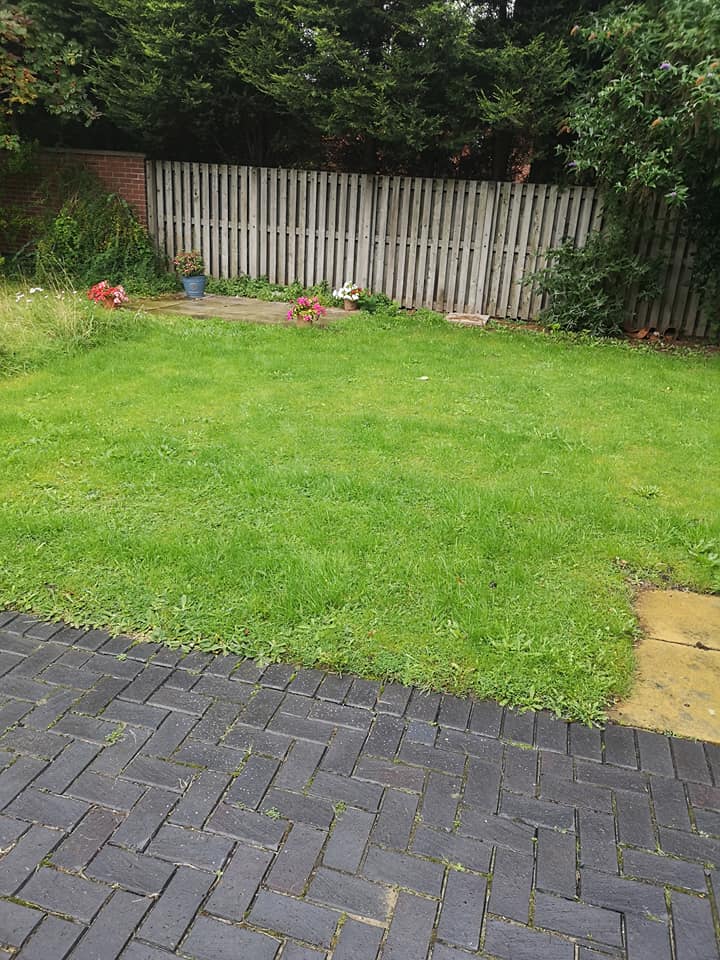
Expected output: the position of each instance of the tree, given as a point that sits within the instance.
(38, 68)
(650, 117)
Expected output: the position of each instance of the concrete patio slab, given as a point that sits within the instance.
(238, 309)
(156, 804)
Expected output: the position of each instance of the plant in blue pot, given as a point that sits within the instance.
(189, 264)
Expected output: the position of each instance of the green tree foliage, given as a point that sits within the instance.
(649, 119)
(38, 68)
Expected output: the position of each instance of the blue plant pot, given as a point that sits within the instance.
(194, 287)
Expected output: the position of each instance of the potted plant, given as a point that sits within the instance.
(349, 293)
(305, 311)
(189, 264)
(104, 294)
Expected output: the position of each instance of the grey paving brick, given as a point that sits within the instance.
(145, 683)
(708, 821)
(145, 819)
(343, 751)
(363, 693)
(518, 726)
(198, 753)
(260, 741)
(212, 940)
(608, 776)
(452, 848)
(78, 849)
(17, 922)
(352, 894)
(393, 699)
(578, 919)
(663, 869)
(346, 790)
(690, 760)
(432, 758)
(405, 870)
(551, 733)
(424, 706)
(520, 770)
(52, 938)
(222, 664)
(11, 830)
(247, 825)
(38, 806)
(556, 862)
(234, 693)
(239, 882)
(295, 807)
(136, 872)
(261, 707)
(174, 911)
(20, 862)
(597, 840)
(585, 742)
(158, 773)
(113, 927)
(440, 800)
(626, 896)
(395, 821)
(278, 675)
(316, 730)
(469, 744)
(296, 918)
(556, 815)
(248, 670)
(193, 848)
(482, 787)
(508, 941)
(335, 687)
(647, 938)
(670, 803)
(94, 700)
(306, 682)
(493, 829)
(583, 796)
(296, 951)
(693, 927)
(169, 735)
(410, 929)
(113, 666)
(357, 941)
(43, 744)
(620, 748)
(339, 714)
(463, 906)
(635, 820)
(184, 701)
(385, 735)
(46, 714)
(200, 799)
(251, 784)
(511, 885)
(420, 732)
(216, 721)
(295, 861)
(348, 840)
(138, 714)
(400, 775)
(65, 894)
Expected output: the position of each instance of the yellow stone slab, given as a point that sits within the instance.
(677, 689)
(678, 617)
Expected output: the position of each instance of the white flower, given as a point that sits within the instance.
(36, 290)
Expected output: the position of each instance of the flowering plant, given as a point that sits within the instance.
(306, 310)
(109, 297)
(348, 291)
(189, 263)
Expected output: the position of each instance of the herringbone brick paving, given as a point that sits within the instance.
(156, 805)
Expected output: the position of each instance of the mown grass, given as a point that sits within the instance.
(461, 509)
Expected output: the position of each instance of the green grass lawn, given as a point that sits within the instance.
(462, 509)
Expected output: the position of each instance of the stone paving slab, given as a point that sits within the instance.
(239, 309)
(155, 805)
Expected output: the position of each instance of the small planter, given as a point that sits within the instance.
(350, 305)
(194, 287)
(303, 322)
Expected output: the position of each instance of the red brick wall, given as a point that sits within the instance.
(121, 173)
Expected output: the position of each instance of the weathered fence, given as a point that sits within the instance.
(454, 245)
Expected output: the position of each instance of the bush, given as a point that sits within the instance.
(588, 285)
(96, 236)
(260, 288)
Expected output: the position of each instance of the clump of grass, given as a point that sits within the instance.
(38, 323)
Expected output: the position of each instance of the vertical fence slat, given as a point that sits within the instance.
(321, 228)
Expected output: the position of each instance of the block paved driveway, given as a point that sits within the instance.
(157, 805)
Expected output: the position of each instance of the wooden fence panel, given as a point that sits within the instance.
(455, 245)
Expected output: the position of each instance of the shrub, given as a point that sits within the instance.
(96, 234)
(588, 285)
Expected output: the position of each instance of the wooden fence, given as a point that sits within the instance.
(454, 245)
